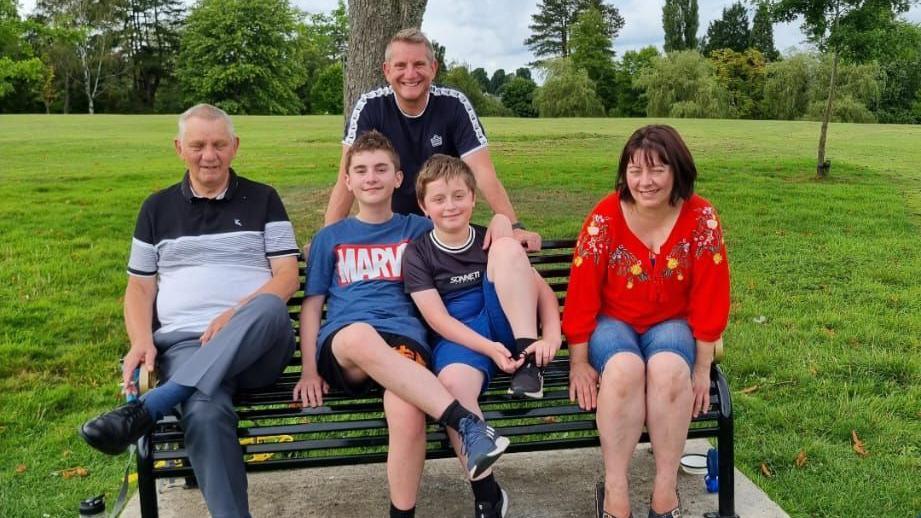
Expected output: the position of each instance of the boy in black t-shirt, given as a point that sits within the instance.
(484, 306)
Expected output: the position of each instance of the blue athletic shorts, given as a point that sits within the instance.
(612, 336)
(488, 320)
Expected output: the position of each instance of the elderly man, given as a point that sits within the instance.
(215, 255)
(421, 120)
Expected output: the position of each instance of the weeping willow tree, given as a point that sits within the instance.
(567, 91)
(684, 84)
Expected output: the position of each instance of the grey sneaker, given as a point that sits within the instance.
(528, 380)
(493, 509)
(480, 445)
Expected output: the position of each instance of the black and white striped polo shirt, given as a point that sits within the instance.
(208, 254)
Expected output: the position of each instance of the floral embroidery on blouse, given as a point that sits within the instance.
(627, 265)
(593, 240)
(708, 236)
(677, 261)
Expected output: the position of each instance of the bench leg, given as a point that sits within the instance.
(147, 484)
(726, 450)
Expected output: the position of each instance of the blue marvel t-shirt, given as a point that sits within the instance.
(448, 125)
(359, 268)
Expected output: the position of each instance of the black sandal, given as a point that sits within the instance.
(599, 502)
(674, 513)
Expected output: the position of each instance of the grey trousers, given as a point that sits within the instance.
(251, 351)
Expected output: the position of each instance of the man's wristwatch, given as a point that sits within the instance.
(518, 226)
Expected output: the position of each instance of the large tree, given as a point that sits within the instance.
(551, 26)
(763, 33)
(567, 92)
(684, 84)
(243, 56)
(150, 41)
(729, 31)
(631, 99)
(481, 77)
(20, 71)
(837, 27)
(680, 20)
(93, 26)
(372, 24)
(518, 96)
(592, 51)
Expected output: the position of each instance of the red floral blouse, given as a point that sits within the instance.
(613, 273)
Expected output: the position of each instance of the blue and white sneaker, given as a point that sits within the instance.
(480, 445)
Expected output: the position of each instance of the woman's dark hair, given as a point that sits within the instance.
(662, 142)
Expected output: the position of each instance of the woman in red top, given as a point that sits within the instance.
(649, 276)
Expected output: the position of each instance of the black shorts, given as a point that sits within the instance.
(331, 371)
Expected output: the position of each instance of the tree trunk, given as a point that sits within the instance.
(67, 92)
(822, 166)
(371, 25)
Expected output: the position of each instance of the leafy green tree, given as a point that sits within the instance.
(481, 77)
(459, 77)
(567, 92)
(838, 27)
(326, 93)
(592, 51)
(518, 96)
(322, 40)
(631, 99)
(730, 31)
(94, 28)
(440, 58)
(497, 81)
(900, 61)
(858, 91)
(680, 19)
(242, 55)
(524, 72)
(684, 84)
(742, 74)
(788, 86)
(552, 24)
(763, 33)
(22, 75)
(150, 43)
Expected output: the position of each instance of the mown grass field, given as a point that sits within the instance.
(825, 334)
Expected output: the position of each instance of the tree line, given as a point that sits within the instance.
(265, 57)
(158, 56)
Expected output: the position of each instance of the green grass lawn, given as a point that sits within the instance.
(826, 314)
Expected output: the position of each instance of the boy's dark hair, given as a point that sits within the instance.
(662, 142)
(443, 167)
(371, 141)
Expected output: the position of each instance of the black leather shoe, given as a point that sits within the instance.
(114, 431)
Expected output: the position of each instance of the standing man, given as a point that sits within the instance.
(215, 255)
(420, 120)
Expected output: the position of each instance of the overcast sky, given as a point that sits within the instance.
(491, 33)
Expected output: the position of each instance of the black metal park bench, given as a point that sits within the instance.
(277, 434)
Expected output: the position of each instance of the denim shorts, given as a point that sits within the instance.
(612, 336)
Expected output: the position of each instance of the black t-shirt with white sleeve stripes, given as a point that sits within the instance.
(448, 125)
(208, 254)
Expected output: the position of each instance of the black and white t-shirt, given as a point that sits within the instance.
(454, 272)
(208, 254)
(448, 125)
